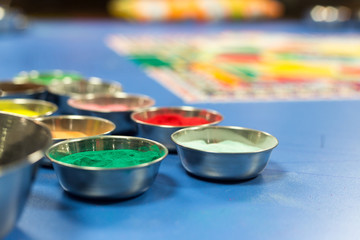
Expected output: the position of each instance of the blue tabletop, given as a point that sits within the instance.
(309, 189)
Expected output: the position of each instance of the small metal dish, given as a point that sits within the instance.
(114, 107)
(78, 126)
(46, 77)
(22, 145)
(28, 107)
(162, 133)
(11, 89)
(60, 91)
(234, 165)
(105, 183)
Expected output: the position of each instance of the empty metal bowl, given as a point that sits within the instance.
(46, 77)
(105, 183)
(22, 145)
(65, 127)
(162, 133)
(27, 107)
(251, 154)
(22, 90)
(114, 107)
(62, 90)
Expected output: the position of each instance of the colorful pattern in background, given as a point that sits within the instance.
(248, 66)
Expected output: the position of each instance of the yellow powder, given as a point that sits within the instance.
(22, 111)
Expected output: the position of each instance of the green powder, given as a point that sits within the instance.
(111, 158)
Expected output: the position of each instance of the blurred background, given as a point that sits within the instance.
(178, 10)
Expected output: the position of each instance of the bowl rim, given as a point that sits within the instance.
(36, 88)
(54, 89)
(47, 72)
(78, 117)
(87, 168)
(24, 101)
(185, 108)
(117, 95)
(224, 127)
(31, 158)
(28, 76)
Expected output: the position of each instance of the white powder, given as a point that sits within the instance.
(226, 146)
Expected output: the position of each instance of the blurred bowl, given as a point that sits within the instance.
(22, 90)
(22, 145)
(46, 77)
(105, 183)
(162, 133)
(253, 149)
(27, 107)
(60, 91)
(65, 127)
(114, 107)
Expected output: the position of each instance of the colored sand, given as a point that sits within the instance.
(227, 146)
(67, 134)
(111, 158)
(176, 120)
(101, 107)
(21, 111)
(47, 78)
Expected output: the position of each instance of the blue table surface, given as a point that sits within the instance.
(309, 190)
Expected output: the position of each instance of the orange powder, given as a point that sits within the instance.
(67, 134)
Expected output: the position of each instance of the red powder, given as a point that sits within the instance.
(176, 120)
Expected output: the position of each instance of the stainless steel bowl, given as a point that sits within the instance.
(22, 90)
(124, 125)
(28, 107)
(105, 183)
(236, 165)
(46, 77)
(162, 133)
(62, 90)
(23, 142)
(87, 125)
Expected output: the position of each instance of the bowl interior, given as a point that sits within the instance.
(28, 107)
(65, 148)
(66, 127)
(105, 103)
(80, 87)
(46, 77)
(142, 116)
(21, 137)
(253, 139)
(15, 88)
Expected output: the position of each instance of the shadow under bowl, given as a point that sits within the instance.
(162, 132)
(22, 146)
(201, 155)
(106, 183)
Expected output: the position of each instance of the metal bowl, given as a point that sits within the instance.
(46, 77)
(114, 107)
(22, 145)
(22, 90)
(62, 90)
(83, 126)
(224, 165)
(105, 183)
(162, 133)
(27, 107)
